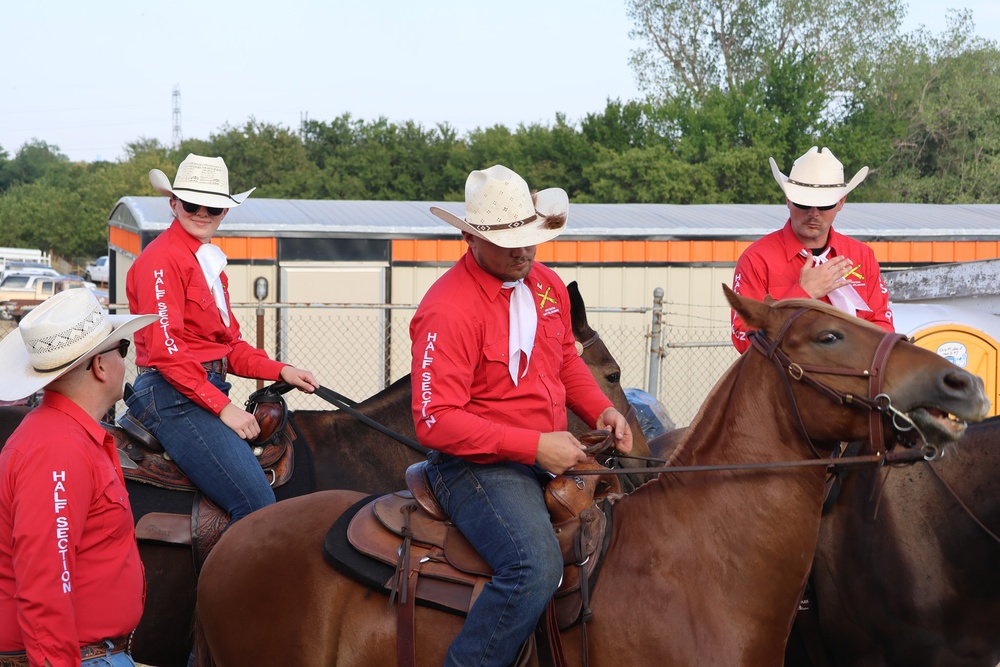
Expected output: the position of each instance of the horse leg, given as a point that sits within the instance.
(164, 632)
(267, 596)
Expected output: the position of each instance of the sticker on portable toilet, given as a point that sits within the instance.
(956, 353)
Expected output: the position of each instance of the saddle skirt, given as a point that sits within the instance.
(143, 460)
(435, 565)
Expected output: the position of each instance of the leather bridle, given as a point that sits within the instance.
(877, 403)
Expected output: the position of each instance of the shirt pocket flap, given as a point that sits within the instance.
(200, 296)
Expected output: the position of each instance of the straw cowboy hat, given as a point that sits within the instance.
(61, 333)
(816, 179)
(499, 208)
(200, 180)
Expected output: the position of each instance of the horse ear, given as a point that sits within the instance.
(753, 313)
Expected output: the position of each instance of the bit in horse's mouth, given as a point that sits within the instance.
(938, 421)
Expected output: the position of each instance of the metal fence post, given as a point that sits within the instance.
(656, 344)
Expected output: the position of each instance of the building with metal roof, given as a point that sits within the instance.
(390, 252)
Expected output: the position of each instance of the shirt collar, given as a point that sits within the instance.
(56, 401)
(490, 284)
(190, 242)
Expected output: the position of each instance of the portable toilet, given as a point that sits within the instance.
(967, 337)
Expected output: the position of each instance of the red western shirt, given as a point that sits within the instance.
(70, 572)
(772, 266)
(167, 280)
(464, 400)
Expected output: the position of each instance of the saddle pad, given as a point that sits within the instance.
(365, 570)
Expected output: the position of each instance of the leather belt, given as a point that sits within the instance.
(220, 366)
(95, 650)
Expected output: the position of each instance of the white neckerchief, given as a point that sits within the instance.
(213, 261)
(844, 298)
(523, 322)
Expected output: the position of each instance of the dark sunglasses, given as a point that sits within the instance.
(804, 207)
(193, 208)
(122, 348)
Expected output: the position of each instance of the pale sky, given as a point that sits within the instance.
(91, 77)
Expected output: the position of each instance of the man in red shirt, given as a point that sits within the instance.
(71, 582)
(494, 368)
(807, 258)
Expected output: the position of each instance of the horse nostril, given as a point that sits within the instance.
(962, 381)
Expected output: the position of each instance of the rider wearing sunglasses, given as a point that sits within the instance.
(181, 393)
(807, 258)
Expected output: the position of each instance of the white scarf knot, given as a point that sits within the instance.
(212, 261)
(844, 298)
(523, 322)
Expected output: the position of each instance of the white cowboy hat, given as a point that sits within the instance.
(499, 208)
(816, 179)
(58, 335)
(200, 180)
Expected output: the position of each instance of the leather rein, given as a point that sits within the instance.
(877, 403)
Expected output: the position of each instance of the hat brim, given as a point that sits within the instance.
(548, 203)
(20, 379)
(815, 196)
(161, 184)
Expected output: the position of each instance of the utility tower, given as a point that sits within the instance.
(177, 116)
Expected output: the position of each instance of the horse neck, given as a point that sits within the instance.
(743, 409)
(747, 538)
(391, 407)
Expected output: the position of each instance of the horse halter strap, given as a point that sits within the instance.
(876, 402)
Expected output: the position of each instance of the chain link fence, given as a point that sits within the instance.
(358, 350)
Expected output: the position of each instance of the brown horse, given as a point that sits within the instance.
(704, 568)
(334, 451)
(909, 577)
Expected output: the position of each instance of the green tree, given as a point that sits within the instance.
(689, 48)
(382, 159)
(269, 157)
(33, 161)
(652, 175)
(930, 121)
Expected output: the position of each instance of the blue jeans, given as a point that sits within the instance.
(116, 660)
(501, 510)
(215, 459)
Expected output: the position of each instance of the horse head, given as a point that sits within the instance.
(856, 364)
(608, 375)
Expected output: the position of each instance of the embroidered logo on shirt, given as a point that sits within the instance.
(854, 272)
(545, 297)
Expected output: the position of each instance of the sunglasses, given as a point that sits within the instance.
(193, 208)
(804, 207)
(122, 348)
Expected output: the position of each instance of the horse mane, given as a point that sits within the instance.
(719, 395)
(825, 308)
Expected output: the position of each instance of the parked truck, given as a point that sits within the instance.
(19, 293)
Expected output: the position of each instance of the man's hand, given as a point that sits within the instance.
(299, 378)
(242, 422)
(611, 419)
(821, 279)
(558, 452)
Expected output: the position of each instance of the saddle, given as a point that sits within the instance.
(434, 565)
(144, 460)
(149, 463)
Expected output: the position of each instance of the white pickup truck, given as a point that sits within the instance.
(20, 292)
(98, 270)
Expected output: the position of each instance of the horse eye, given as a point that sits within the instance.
(828, 337)
(614, 378)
